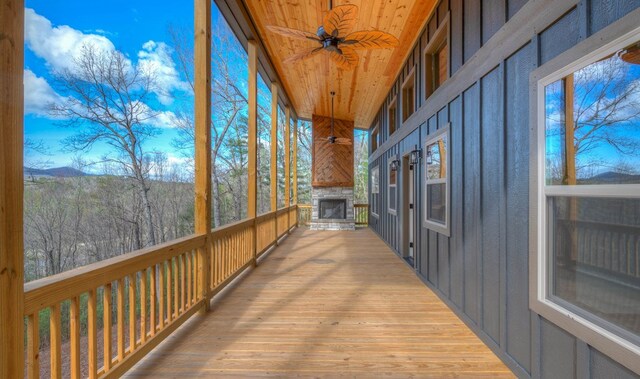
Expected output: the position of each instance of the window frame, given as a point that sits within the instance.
(609, 40)
(374, 136)
(393, 106)
(431, 139)
(374, 212)
(393, 211)
(440, 37)
(410, 79)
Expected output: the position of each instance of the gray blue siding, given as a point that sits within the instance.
(481, 270)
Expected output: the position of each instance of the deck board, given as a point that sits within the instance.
(326, 304)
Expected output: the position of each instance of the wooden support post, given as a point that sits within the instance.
(11, 189)
(570, 167)
(295, 167)
(273, 142)
(287, 164)
(253, 143)
(202, 57)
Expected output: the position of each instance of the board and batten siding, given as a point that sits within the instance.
(482, 270)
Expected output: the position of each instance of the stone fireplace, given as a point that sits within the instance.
(332, 193)
(332, 208)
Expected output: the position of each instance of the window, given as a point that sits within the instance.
(587, 189)
(393, 180)
(408, 96)
(436, 58)
(374, 139)
(437, 181)
(375, 189)
(392, 117)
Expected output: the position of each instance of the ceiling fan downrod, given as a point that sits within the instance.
(332, 137)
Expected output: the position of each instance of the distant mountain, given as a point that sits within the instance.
(613, 177)
(59, 172)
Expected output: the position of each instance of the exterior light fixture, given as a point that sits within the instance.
(394, 165)
(415, 156)
(429, 157)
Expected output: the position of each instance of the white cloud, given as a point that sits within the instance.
(156, 57)
(165, 119)
(59, 45)
(38, 94)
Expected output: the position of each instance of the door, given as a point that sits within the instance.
(411, 212)
(408, 211)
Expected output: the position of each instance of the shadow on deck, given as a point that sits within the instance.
(325, 304)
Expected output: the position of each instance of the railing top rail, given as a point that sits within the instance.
(54, 289)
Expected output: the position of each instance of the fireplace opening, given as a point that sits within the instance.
(332, 209)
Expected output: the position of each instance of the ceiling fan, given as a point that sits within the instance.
(335, 38)
(332, 139)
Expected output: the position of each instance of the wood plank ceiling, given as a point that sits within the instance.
(360, 92)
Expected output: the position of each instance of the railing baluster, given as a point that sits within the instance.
(182, 284)
(106, 325)
(74, 337)
(132, 313)
(176, 288)
(55, 341)
(169, 300)
(33, 346)
(152, 300)
(143, 306)
(120, 316)
(92, 340)
(161, 296)
(189, 278)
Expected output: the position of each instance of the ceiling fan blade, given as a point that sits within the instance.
(348, 60)
(302, 56)
(340, 20)
(374, 39)
(293, 33)
(343, 141)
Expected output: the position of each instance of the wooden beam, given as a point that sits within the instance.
(295, 162)
(202, 43)
(252, 205)
(274, 147)
(11, 189)
(287, 158)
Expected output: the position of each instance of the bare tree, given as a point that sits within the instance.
(228, 100)
(106, 100)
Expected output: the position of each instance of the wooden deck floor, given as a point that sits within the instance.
(326, 304)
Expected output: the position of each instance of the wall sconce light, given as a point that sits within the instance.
(395, 164)
(416, 154)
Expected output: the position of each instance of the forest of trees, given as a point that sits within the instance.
(134, 196)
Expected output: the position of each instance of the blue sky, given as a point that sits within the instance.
(54, 31)
(599, 156)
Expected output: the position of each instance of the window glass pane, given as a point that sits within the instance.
(374, 180)
(600, 142)
(554, 124)
(441, 66)
(392, 198)
(392, 119)
(436, 159)
(392, 177)
(436, 202)
(594, 246)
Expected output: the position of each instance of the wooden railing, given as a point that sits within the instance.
(612, 248)
(144, 295)
(304, 214)
(361, 213)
